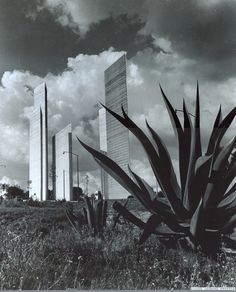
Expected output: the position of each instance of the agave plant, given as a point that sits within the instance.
(202, 207)
(94, 215)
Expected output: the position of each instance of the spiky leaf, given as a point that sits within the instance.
(153, 222)
(195, 153)
(154, 160)
(90, 212)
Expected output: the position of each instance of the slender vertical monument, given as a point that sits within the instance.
(38, 161)
(103, 149)
(62, 164)
(117, 135)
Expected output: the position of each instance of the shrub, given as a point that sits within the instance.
(202, 208)
(13, 203)
(94, 215)
(34, 203)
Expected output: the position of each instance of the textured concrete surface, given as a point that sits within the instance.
(62, 163)
(38, 161)
(117, 134)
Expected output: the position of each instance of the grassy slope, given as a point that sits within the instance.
(39, 250)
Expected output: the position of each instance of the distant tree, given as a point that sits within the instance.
(27, 195)
(99, 195)
(93, 196)
(51, 195)
(4, 187)
(77, 193)
(15, 192)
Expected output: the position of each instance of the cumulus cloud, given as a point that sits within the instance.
(191, 40)
(9, 181)
(162, 43)
(72, 97)
(134, 76)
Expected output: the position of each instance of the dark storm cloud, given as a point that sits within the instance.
(203, 31)
(120, 32)
(199, 30)
(41, 45)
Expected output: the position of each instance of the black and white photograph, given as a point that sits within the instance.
(118, 144)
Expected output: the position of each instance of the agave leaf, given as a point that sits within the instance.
(139, 181)
(233, 160)
(218, 119)
(118, 174)
(173, 116)
(229, 198)
(220, 132)
(187, 119)
(174, 225)
(129, 185)
(145, 185)
(197, 224)
(198, 183)
(196, 133)
(104, 213)
(229, 226)
(202, 162)
(226, 122)
(221, 161)
(165, 160)
(217, 218)
(213, 192)
(214, 219)
(157, 206)
(195, 153)
(230, 242)
(163, 202)
(179, 133)
(98, 214)
(139, 223)
(229, 177)
(117, 217)
(90, 212)
(212, 140)
(85, 215)
(153, 222)
(162, 151)
(154, 160)
(230, 191)
(164, 230)
(187, 136)
(128, 215)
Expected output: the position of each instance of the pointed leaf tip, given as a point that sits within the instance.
(123, 111)
(79, 139)
(102, 104)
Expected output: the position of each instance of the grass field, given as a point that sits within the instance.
(40, 250)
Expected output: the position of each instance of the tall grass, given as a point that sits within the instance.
(39, 251)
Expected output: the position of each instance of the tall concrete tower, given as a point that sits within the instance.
(62, 164)
(38, 161)
(117, 134)
(103, 149)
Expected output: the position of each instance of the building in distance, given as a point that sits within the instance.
(38, 145)
(62, 164)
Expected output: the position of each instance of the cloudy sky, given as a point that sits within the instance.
(69, 43)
